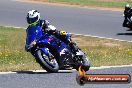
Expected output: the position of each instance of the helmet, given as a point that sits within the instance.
(127, 7)
(33, 16)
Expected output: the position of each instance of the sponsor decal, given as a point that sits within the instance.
(62, 52)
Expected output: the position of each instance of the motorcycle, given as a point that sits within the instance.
(127, 22)
(52, 54)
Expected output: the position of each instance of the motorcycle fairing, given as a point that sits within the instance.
(33, 33)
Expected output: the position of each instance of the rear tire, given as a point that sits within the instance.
(83, 62)
(44, 62)
(86, 63)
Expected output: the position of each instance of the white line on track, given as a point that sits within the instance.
(14, 27)
(88, 35)
(103, 37)
(105, 67)
(92, 68)
(7, 72)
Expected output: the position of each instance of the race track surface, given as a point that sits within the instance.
(72, 19)
(65, 79)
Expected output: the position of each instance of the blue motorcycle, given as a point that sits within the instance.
(52, 54)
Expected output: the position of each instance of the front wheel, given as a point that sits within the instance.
(47, 62)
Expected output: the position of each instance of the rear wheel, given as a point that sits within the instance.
(82, 61)
(85, 63)
(48, 62)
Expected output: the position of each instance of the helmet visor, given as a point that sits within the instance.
(32, 20)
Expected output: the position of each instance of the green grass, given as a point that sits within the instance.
(100, 3)
(12, 54)
(101, 51)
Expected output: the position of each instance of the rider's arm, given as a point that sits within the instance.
(125, 13)
(130, 13)
(63, 35)
(26, 45)
(44, 24)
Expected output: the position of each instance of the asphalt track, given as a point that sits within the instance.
(76, 20)
(63, 79)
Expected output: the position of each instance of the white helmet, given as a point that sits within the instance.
(127, 7)
(33, 16)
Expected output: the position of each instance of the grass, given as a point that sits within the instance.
(99, 3)
(12, 54)
(104, 52)
(101, 51)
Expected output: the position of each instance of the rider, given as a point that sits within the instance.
(127, 13)
(33, 19)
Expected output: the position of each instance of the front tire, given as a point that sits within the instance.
(49, 65)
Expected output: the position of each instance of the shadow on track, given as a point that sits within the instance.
(42, 72)
(129, 30)
(130, 34)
